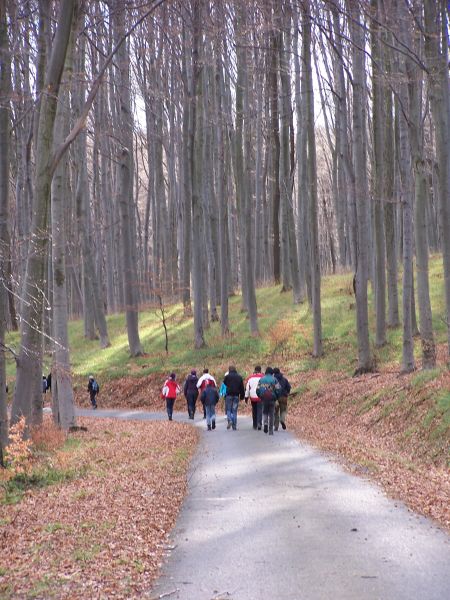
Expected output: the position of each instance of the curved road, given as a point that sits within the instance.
(270, 518)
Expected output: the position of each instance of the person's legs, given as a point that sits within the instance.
(271, 415)
(228, 407)
(208, 415)
(213, 415)
(283, 413)
(255, 414)
(204, 409)
(277, 415)
(234, 410)
(265, 411)
(169, 404)
(259, 409)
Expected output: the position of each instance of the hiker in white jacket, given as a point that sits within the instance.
(250, 392)
(202, 384)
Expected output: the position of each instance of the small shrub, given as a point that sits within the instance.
(18, 451)
(279, 336)
(47, 437)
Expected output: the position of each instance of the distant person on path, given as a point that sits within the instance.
(169, 392)
(235, 392)
(210, 397)
(250, 392)
(191, 392)
(44, 384)
(49, 382)
(281, 403)
(93, 389)
(202, 384)
(268, 390)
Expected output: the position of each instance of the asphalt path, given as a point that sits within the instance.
(270, 518)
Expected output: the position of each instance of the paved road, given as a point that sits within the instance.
(270, 518)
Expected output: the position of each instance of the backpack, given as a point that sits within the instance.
(95, 387)
(266, 392)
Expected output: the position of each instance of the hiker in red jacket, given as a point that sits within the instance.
(169, 392)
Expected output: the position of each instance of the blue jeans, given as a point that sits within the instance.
(231, 407)
(210, 413)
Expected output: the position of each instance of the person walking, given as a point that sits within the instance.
(268, 390)
(169, 392)
(209, 398)
(281, 403)
(93, 389)
(191, 392)
(235, 392)
(202, 384)
(250, 392)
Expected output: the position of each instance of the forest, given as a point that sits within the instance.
(186, 150)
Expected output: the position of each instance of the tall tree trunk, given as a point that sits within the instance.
(63, 407)
(312, 180)
(28, 391)
(126, 199)
(275, 134)
(196, 146)
(362, 192)
(420, 209)
(436, 50)
(5, 91)
(287, 179)
(406, 196)
(378, 150)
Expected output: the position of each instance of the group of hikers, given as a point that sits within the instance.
(268, 394)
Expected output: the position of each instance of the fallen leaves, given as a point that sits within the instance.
(102, 535)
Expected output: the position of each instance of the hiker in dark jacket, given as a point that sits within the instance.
(235, 392)
(281, 403)
(209, 398)
(93, 389)
(268, 390)
(191, 392)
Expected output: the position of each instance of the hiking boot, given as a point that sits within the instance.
(276, 428)
(259, 427)
(170, 418)
(213, 424)
(229, 425)
(283, 425)
(266, 428)
(209, 427)
(234, 427)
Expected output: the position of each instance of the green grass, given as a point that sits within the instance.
(14, 488)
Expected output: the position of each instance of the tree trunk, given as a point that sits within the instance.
(287, 178)
(275, 134)
(436, 50)
(378, 150)
(362, 193)
(312, 181)
(28, 391)
(126, 198)
(196, 146)
(63, 407)
(420, 210)
(5, 91)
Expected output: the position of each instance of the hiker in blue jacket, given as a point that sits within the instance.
(209, 398)
(268, 390)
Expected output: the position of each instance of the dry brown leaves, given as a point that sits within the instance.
(384, 440)
(102, 535)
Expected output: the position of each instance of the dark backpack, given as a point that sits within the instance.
(95, 387)
(265, 392)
